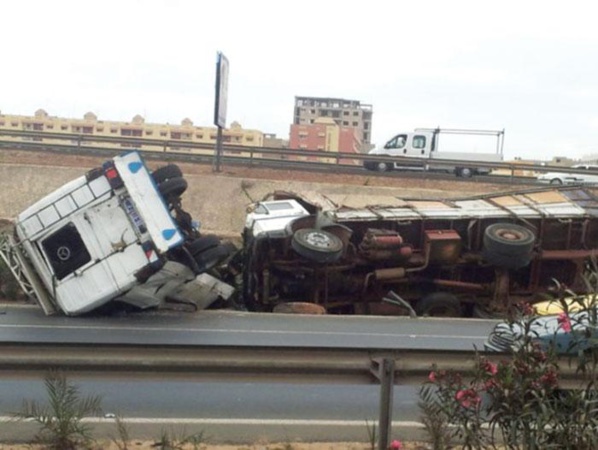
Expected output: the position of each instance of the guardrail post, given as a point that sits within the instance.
(386, 374)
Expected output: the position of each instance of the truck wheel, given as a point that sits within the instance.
(556, 181)
(317, 245)
(173, 187)
(508, 245)
(383, 167)
(439, 304)
(167, 172)
(509, 239)
(464, 172)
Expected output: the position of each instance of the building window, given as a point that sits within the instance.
(175, 135)
(345, 113)
(303, 146)
(130, 132)
(63, 127)
(149, 133)
(14, 124)
(163, 133)
(100, 129)
(199, 136)
(355, 124)
(87, 130)
(113, 130)
(249, 138)
(345, 123)
(355, 113)
(38, 126)
(49, 127)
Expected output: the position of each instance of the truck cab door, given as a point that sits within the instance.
(418, 146)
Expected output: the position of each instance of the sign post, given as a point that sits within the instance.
(220, 106)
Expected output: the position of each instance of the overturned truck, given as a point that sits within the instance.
(119, 236)
(475, 256)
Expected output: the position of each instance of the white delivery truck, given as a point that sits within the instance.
(117, 233)
(465, 152)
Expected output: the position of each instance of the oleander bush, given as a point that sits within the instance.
(519, 402)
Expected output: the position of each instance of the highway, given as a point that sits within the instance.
(233, 411)
(230, 328)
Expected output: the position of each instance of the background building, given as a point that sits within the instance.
(90, 125)
(345, 113)
(324, 135)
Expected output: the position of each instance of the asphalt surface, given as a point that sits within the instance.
(229, 328)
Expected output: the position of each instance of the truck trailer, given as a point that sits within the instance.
(476, 256)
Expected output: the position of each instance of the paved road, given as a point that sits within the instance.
(219, 328)
(241, 411)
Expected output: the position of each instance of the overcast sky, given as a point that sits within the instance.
(530, 67)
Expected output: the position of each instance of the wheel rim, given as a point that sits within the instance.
(382, 167)
(318, 240)
(510, 235)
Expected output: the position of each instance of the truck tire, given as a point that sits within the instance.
(556, 181)
(509, 239)
(317, 245)
(167, 172)
(464, 172)
(173, 187)
(438, 304)
(508, 245)
(383, 167)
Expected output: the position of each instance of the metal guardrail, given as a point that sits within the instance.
(256, 153)
(233, 364)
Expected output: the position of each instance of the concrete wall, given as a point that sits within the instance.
(218, 202)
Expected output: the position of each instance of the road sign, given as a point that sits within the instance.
(221, 91)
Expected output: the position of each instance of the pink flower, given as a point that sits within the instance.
(432, 377)
(396, 445)
(467, 398)
(564, 322)
(491, 368)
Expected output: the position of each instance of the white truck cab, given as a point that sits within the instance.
(90, 240)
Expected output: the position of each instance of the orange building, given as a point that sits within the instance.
(324, 135)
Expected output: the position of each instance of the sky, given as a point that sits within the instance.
(528, 67)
